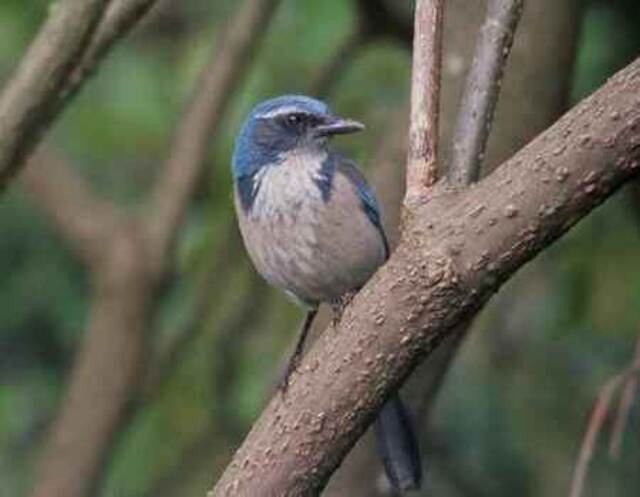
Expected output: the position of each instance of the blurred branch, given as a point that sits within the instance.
(200, 121)
(28, 101)
(482, 89)
(81, 219)
(120, 17)
(425, 96)
(127, 276)
(624, 407)
(596, 420)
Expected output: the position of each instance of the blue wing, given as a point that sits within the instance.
(365, 194)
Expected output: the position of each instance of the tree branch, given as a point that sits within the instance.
(27, 103)
(481, 92)
(468, 144)
(199, 123)
(425, 96)
(120, 17)
(456, 251)
(624, 407)
(519, 119)
(596, 420)
(81, 219)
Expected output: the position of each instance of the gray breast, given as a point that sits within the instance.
(313, 249)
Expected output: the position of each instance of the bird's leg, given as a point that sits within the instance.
(294, 360)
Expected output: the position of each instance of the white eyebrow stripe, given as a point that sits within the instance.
(282, 111)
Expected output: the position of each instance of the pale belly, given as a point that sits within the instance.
(313, 250)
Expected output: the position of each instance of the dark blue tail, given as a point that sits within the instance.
(398, 446)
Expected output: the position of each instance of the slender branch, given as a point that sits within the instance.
(624, 407)
(80, 218)
(456, 251)
(596, 420)
(27, 103)
(481, 90)
(425, 96)
(203, 114)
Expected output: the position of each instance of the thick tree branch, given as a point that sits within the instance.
(456, 251)
(201, 118)
(481, 91)
(81, 219)
(27, 103)
(425, 96)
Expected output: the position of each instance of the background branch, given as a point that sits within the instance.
(596, 421)
(624, 407)
(482, 89)
(81, 219)
(200, 121)
(127, 276)
(120, 17)
(27, 103)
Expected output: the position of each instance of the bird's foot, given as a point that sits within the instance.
(292, 365)
(338, 306)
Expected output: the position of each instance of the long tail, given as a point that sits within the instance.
(398, 446)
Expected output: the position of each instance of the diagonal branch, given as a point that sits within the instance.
(183, 167)
(445, 269)
(120, 17)
(27, 103)
(481, 92)
(81, 219)
(425, 96)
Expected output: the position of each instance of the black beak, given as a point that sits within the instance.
(338, 126)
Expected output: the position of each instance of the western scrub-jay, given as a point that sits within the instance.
(312, 228)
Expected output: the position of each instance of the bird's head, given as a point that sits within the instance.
(282, 125)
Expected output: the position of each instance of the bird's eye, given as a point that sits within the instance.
(294, 119)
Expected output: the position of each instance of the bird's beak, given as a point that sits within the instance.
(338, 126)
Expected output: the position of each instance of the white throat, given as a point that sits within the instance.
(285, 187)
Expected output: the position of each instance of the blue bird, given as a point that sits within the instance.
(312, 228)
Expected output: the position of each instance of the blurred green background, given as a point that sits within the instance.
(510, 418)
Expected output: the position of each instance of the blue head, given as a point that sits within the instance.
(281, 125)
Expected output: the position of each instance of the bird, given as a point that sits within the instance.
(312, 227)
